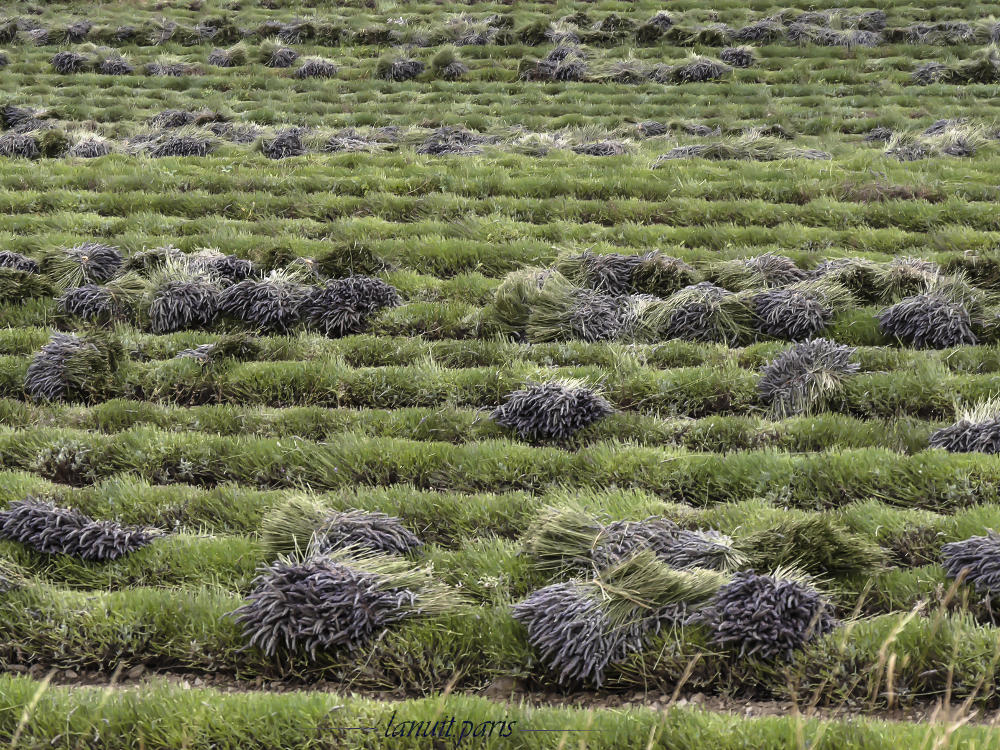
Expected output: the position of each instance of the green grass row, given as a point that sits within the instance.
(161, 716)
(457, 319)
(475, 539)
(929, 391)
(25, 301)
(932, 480)
(888, 67)
(270, 99)
(495, 571)
(465, 288)
(871, 91)
(447, 249)
(447, 424)
(488, 571)
(435, 321)
(728, 11)
(267, 184)
(778, 64)
(189, 630)
(471, 286)
(891, 219)
(435, 249)
(371, 30)
(397, 351)
(451, 519)
(478, 197)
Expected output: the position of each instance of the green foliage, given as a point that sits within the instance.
(348, 259)
(445, 57)
(643, 583)
(814, 544)
(53, 143)
(287, 528)
(17, 286)
(515, 299)
(561, 537)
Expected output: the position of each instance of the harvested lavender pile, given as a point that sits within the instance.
(617, 273)
(228, 267)
(551, 411)
(977, 559)
(88, 263)
(803, 377)
(766, 616)
(18, 262)
(320, 604)
(580, 627)
(346, 306)
(91, 302)
(927, 321)
(71, 367)
(177, 305)
(274, 304)
(573, 633)
(966, 436)
(790, 314)
(568, 539)
(679, 548)
(592, 316)
(65, 531)
(359, 529)
(706, 312)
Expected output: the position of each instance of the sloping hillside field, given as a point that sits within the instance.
(525, 375)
